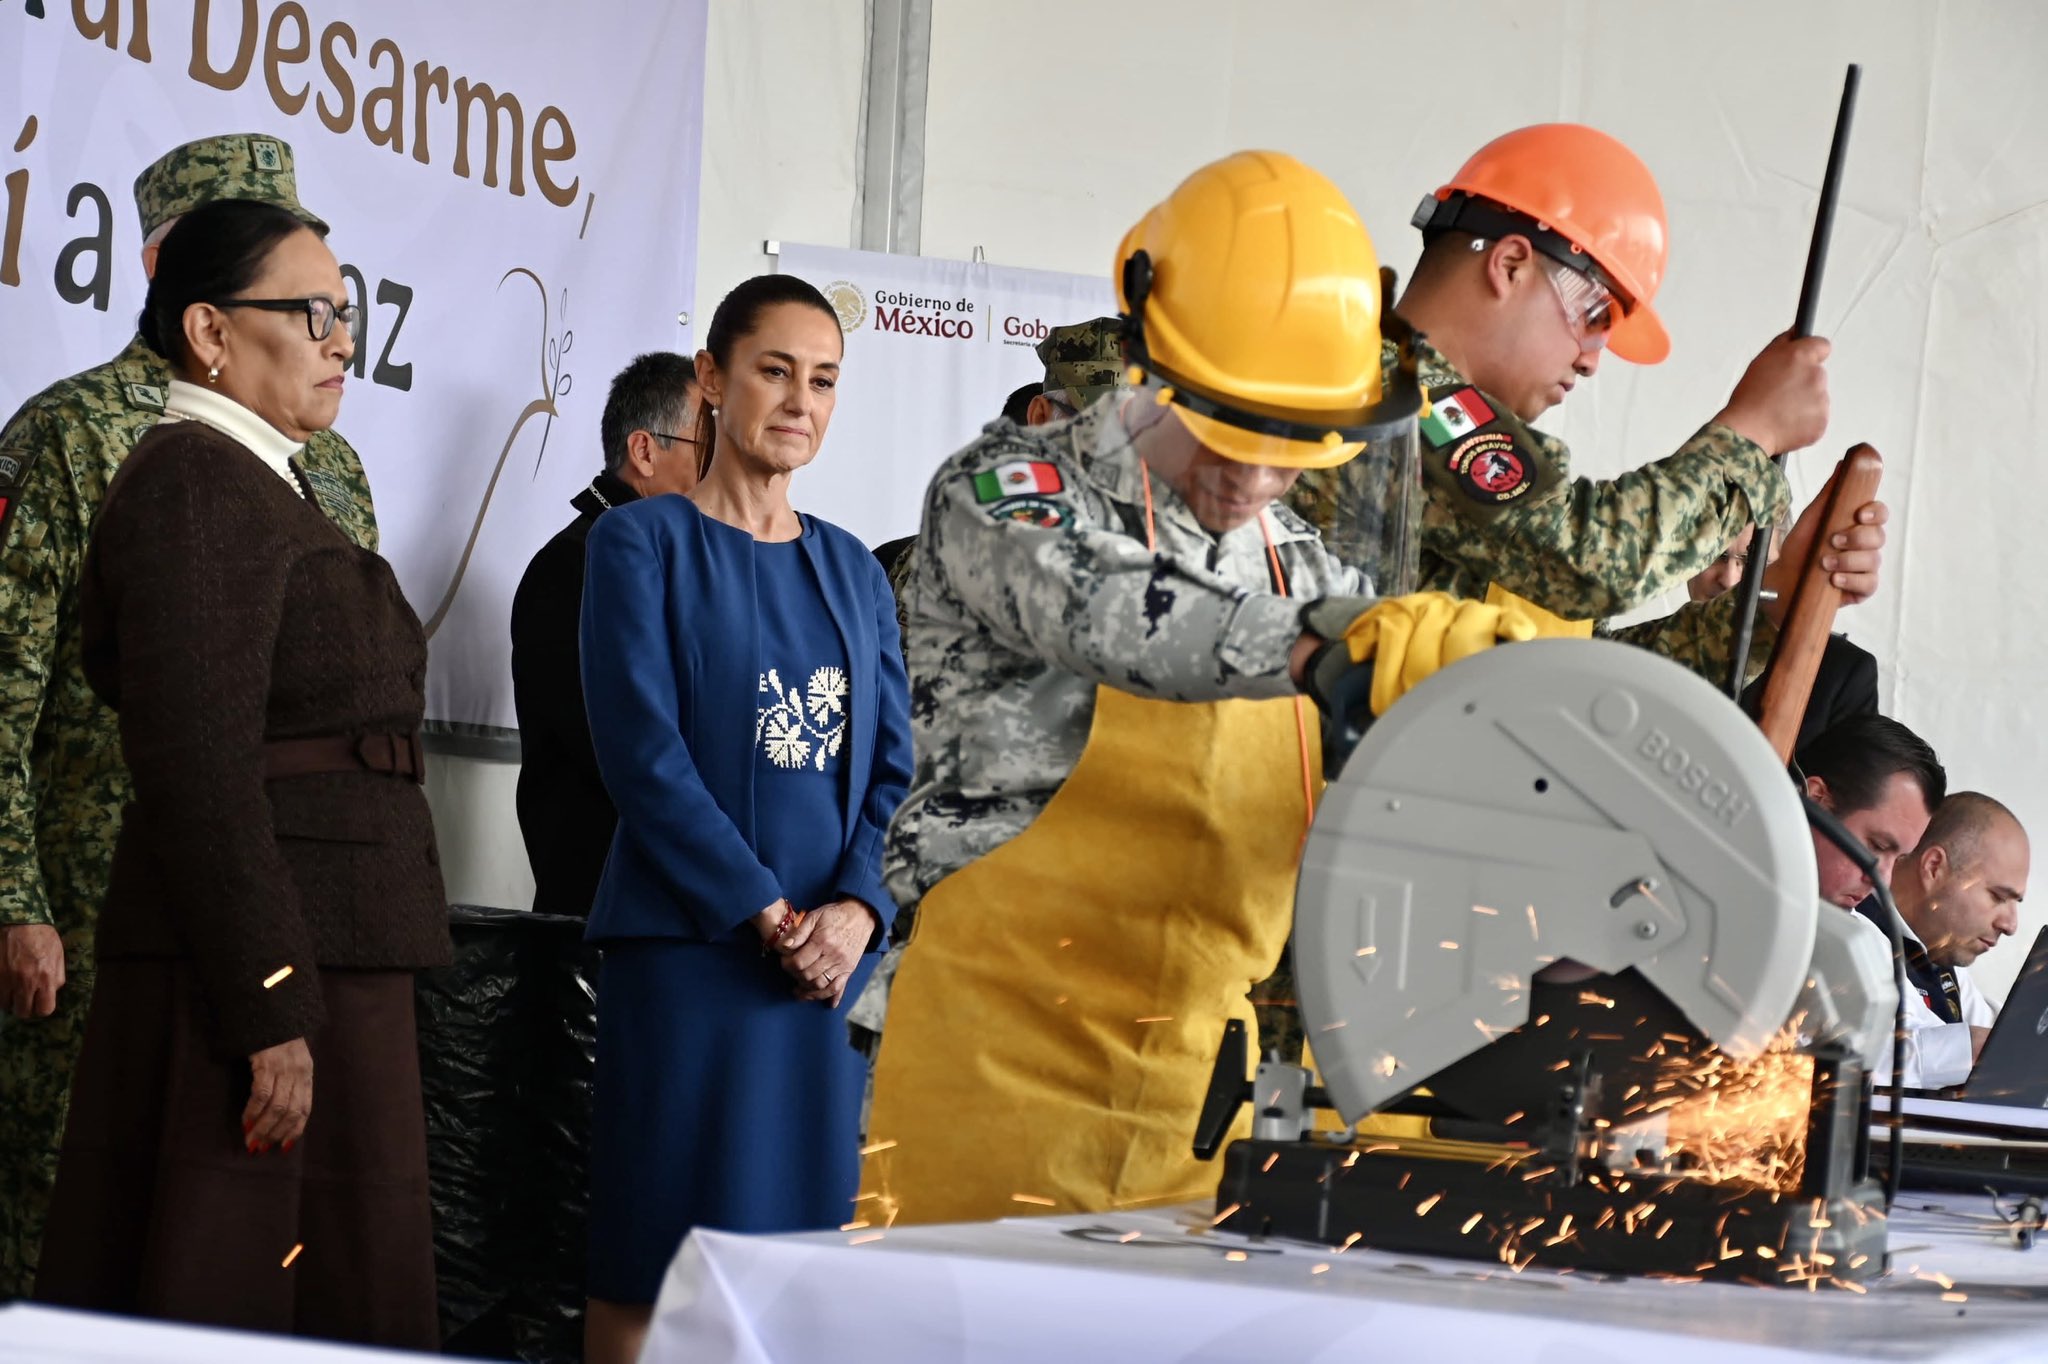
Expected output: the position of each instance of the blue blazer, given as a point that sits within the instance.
(671, 672)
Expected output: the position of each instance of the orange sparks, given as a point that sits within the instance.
(1220, 1218)
(1595, 997)
(1066, 942)
(863, 1240)
(1448, 946)
(1851, 1285)
(1482, 909)
(1532, 924)
(1955, 1297)
(1162, 1018)
(1269, 1162)
(1236, 1256)
(294, 1254)
(1470, 1222)
(1366, 951)
(1422, 1208)
(1349, 1242)
(272, 980)
(1320, 1269)
(1033, 1199)
(1128, 1237)
(861, 1225)
(874, 1146)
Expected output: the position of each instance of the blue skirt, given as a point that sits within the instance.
(720, 1101)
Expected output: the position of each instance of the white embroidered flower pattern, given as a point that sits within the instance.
(795, 724)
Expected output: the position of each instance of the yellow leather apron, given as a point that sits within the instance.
(1055, 1018)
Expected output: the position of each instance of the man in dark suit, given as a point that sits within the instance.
(1846, 684)
(650, 447)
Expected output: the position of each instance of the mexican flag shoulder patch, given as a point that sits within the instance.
(1016, 479)
(1455, 414)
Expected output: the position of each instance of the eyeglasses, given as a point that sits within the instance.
(321, 313)
(1590, 308)
(666, 437)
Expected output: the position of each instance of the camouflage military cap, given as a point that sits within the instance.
(1084, 359)
(234, 166)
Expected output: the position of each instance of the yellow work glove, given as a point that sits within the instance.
(1404, 639)
(1407, 638)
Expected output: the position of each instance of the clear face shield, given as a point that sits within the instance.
(1229, 462)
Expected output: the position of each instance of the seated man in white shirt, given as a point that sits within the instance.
(1958, 893)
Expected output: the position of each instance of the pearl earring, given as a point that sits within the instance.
(213, 375)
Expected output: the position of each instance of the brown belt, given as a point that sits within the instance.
(396, 755)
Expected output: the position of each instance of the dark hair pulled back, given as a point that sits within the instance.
(738, 317)
(216, 251)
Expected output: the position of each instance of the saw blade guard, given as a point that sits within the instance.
(1558, 807)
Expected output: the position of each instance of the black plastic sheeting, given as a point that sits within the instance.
(508, 1037)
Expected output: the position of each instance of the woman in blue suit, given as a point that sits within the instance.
(751, 719)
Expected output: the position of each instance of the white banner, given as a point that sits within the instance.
(933, 347)
(512, 186)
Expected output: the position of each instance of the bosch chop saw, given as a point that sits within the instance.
(1558, 944)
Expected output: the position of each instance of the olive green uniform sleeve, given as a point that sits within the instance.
(1601, 547)
(41, 546)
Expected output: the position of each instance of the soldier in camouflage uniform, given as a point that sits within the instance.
(1110, 620)
(62, 784)
(1565, 215)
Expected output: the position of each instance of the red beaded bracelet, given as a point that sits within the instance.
(791, 917)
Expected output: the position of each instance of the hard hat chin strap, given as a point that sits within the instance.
(1400, 403)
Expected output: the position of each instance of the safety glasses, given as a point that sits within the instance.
(1590, 307)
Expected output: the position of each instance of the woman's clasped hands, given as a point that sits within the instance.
(820, 947)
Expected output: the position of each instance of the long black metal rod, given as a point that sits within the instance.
(1832, 829)
(1809, 301)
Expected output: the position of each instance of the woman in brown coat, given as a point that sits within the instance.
(275, 883)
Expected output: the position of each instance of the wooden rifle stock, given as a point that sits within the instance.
(1810, 616)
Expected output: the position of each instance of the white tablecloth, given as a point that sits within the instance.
(1161, 1286)
(1144, 1286)
(44, 1335)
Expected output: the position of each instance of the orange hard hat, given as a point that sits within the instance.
(1585, 195)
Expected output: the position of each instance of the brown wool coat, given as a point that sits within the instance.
(221, 610)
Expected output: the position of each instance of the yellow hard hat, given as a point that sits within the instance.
(1253, 295)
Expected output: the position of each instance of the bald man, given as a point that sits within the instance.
(1959, 894)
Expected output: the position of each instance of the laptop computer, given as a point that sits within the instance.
(2012, 1070)
(2011, 1074)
